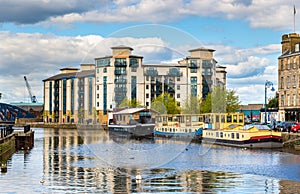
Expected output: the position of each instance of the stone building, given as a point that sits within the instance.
(289, 78)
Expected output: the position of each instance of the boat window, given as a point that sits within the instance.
(158, 119)
(228, 118)
(188, 121)
(241, 119)
(237, 135)
(182, 119)
(234, 118)
(223, 118)
(217, 118)
(194, 119)
(232, 135)
(221, 134)
(200, 119)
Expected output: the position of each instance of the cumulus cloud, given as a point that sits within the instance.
(272, 14)
(33, 11)
(39, 56)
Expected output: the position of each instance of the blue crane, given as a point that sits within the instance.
(32, 98)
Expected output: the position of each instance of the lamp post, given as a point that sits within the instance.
(267, 85)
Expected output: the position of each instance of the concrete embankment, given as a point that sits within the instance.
(290, 139)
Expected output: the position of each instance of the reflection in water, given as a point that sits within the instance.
(63, 162)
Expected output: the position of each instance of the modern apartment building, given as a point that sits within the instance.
(289, 78)
(69, 97)
(124, 75)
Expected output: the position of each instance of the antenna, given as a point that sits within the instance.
(294, 18)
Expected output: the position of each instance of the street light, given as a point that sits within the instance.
(268, 84)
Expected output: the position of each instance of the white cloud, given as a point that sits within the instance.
(41, 56)
(259, 13)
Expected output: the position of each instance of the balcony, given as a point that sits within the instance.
(120, 63)
(193, 65)
(151, 72)
(174, 73)
(120, 72)
(120, 90)
(120, 81)
(119, 98)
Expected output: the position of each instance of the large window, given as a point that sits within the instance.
(103, 62)
(120, 62)
(194, 86)
(105, 95)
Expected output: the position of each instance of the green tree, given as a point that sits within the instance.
(232, 101)
(205, 106)
(130, 103)
(191, 105)
(220, 101)
(273, 103)
(165, 104)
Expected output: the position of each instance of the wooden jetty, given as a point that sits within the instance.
(12, 140)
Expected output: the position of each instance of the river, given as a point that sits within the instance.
(80, 161)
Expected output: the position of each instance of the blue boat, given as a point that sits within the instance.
(179, 126)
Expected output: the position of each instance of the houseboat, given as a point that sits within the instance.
(179, 126)
(134, 122)
(229, 129)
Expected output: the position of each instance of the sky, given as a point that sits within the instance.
(39, 37)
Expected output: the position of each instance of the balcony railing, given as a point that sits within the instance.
(120, 64)
(120, 72)
(120, 81)
(151, 72)
(121, 90)
(194, 65)
(174, 73)
(119, 98)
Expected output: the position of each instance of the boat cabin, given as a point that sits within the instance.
(222, 120)
(132, 115)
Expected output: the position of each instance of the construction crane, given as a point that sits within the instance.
(32, 98)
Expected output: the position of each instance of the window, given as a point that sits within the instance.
(147, 87)
(282, 82)
(98, 87)
(288, 82)
(178, 95)
(294, 81)
(288, 100)
(178, 79)
(294, 100)
(282, 100)
(288, 65)
(147, 103)
(192, 70)
(178, 87)
(295, 63)
(104, 70)
(282, 65)
(97, 96)
(98, 104)
(147, 95)
(147, 78)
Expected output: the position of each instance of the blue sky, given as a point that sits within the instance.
(38, 37)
